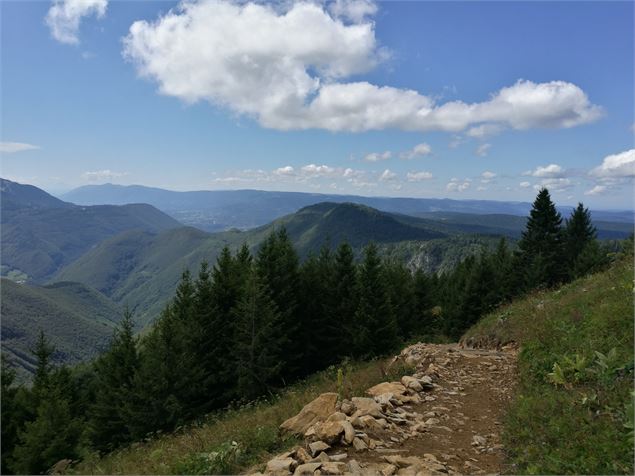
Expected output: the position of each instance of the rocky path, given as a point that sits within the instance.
(444, 419)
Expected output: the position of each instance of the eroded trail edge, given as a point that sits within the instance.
(443, 419)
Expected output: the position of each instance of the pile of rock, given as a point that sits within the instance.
(333, 428)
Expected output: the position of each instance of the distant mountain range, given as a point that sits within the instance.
(41, 234)
(221, 210)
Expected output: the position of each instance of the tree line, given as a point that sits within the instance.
(249, 325)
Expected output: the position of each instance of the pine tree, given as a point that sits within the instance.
(345, 298)
(581, 247)
(424, 322)
(541, 258)
(161, 383)
(501, 261)
(277, 266)
(401, 292)
(321, 344)
(260, 341)
(115, 372)
(52, 436)
(43, 350)
(375, 323)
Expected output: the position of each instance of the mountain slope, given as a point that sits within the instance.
(142, 269)
(77, 319)
(41, 234)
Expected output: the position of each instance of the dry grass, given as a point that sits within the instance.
(254, 427)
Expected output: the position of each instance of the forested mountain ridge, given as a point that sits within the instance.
(79, 321)
(142, 269)
(41, 234)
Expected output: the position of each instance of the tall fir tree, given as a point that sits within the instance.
(582, 249)
(541, 260)
(277, 266)
(375, 323)
(227, 290)
(161, 384)
(115, 374)
(53, 435)
(401, 291)
(260, 341)
(424, 323)
(345, 298)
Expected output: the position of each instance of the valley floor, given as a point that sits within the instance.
(450, 426)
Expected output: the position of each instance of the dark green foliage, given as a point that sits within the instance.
(115, 371)
(52, 436)
(159, 384)
(541, 248)
(345, 297)
(78, 321)
(277, 266)
(9, 410)
(260, 342)
(228, 282)
(375, 323)
(583, 252)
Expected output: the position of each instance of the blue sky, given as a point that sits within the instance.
(431, 99)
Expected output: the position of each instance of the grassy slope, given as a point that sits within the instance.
(254, 427)
(77, 319)
(577, 426)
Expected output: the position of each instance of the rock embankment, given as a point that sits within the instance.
(442, 419)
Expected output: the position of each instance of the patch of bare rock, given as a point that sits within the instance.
(442, 419)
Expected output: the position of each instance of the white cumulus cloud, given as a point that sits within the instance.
(377, 156)
(419, 150)
(487, 176)
(418, 176)
(524, 185)
(547, 171)
(455, 185)
(554, 184)
(484, 130)
(387, 176)
(286, 65)
(13, 147)
(285, 171)
(597, 190)
(620, 165)
(64, 16)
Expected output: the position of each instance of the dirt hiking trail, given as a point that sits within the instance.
(444, 419)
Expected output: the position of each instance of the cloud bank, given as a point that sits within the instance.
(285, 65)
(64, 16)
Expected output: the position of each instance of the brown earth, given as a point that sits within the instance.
(474, 388)
(450, 426)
